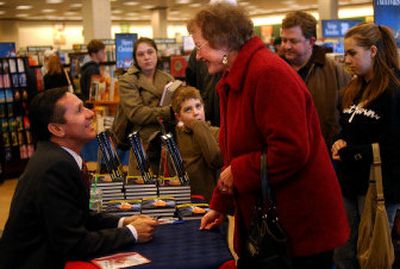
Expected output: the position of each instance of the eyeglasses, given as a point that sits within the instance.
(198, 48)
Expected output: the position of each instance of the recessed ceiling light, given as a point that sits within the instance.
(24, 7)
(54, 1)
(130, 3)
(2, 3)
(48, 10)
(116, 11)
(195, 5)
(148, 6)
(182, 1)
(244, 3)
(2, 12)
(131, 14)
(22, 15)
(70, 13)
(76, 5)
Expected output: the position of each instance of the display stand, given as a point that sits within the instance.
(16, 145)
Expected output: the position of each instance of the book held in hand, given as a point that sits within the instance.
(169, 90)
(120, 260)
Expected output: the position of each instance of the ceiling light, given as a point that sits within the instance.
(244, 3)
(148, 6)
(23, 7)
(48, 10)
(195, 5)
(22, 15)
(2, 3)
(131, 14)
(54, 1)
(182, 1)
(116, 11)
(2, 12)
(76, 5)
(70, 13)
(131, 3)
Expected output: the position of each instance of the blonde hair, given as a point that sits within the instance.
(182, 94)
(385, 62)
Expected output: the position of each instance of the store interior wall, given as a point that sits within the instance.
(62, 35)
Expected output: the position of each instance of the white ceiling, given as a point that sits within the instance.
(141, 10)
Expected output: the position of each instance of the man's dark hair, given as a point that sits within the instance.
(43, 110)
(95, 46)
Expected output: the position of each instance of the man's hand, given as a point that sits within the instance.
(128, 220)
(225, 182)
(144, 226)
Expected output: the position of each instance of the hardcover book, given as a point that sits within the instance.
(169, 90)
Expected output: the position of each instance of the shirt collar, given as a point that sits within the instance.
(77, 158)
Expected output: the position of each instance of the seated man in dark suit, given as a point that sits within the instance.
(50, 222)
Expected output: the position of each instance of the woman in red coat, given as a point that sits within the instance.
(265, 104)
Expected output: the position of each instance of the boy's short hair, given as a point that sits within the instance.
(95, 46)
(182, 94)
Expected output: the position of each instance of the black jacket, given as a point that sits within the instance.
(87, 70)
(378, 122)
(50, 222)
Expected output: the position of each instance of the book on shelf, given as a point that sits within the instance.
(169, 90)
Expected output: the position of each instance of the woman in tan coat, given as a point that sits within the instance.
(140, 89)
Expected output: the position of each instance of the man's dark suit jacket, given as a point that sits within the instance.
(49, 220)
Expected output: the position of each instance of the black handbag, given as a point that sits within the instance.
(266, 245)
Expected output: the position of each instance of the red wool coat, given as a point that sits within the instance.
(265, 103)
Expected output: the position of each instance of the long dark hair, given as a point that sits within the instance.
(386, 62)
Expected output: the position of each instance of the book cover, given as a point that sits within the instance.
(192, 211)
(169, 91)
(128, 206)
(120, 260)
(160, 202)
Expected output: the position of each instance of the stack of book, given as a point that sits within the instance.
(136, 189)
(112, 190)
(192, 210)
(124, 207)
(161, 206)
(180, 193)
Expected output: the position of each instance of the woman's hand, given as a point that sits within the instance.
(338, 145)
(225, 182)
(211, 220)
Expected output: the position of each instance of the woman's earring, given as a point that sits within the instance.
(225, 60)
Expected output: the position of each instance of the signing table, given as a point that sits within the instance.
(183, 246)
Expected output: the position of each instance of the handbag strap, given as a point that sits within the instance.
(265, 189)
(66, 75)
(376, 172)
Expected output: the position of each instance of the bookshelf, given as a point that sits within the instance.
(16, 141)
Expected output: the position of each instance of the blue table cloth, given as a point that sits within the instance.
(183, 246)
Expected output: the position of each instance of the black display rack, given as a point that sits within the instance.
(16, 84)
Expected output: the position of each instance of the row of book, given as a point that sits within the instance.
(160, 207)
(133, 189)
